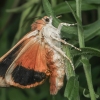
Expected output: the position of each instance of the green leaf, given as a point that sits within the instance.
(25, 25)
(93, 1)
(23, 7)
(74, 14)
(98, 91)
(19, 32)
(86, 51)
(47, 8)
(92, 30)
(78, 62)
(68, 67)
(4, 43)
(5, 17)
(72, 89)
(65, 9)
(87, 95)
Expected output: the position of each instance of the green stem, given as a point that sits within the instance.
(87, 68)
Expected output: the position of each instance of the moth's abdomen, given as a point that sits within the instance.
(56, 65)
(59, 63)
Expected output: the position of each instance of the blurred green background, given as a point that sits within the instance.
(16, 17)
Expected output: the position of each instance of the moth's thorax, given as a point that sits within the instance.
(46, 30)
(49, 31)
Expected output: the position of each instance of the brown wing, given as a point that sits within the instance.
(8, 58)
(25, 64)
(29, 69)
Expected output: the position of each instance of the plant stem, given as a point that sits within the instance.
(87, 69)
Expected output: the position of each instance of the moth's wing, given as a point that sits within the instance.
(29, 68)
(7, 59)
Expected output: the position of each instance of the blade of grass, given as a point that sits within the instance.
(86, 65)
(21, 8)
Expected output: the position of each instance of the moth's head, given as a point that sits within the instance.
(47, 19)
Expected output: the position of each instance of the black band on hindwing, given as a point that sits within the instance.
(25, 76)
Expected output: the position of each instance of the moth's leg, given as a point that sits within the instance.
(62, 24)
(62, 53)
(64, 42)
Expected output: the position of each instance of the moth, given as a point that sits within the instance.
(37, 56)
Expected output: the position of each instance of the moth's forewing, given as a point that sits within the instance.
(7, 59)
(25, 65)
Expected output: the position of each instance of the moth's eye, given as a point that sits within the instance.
(47, 19)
